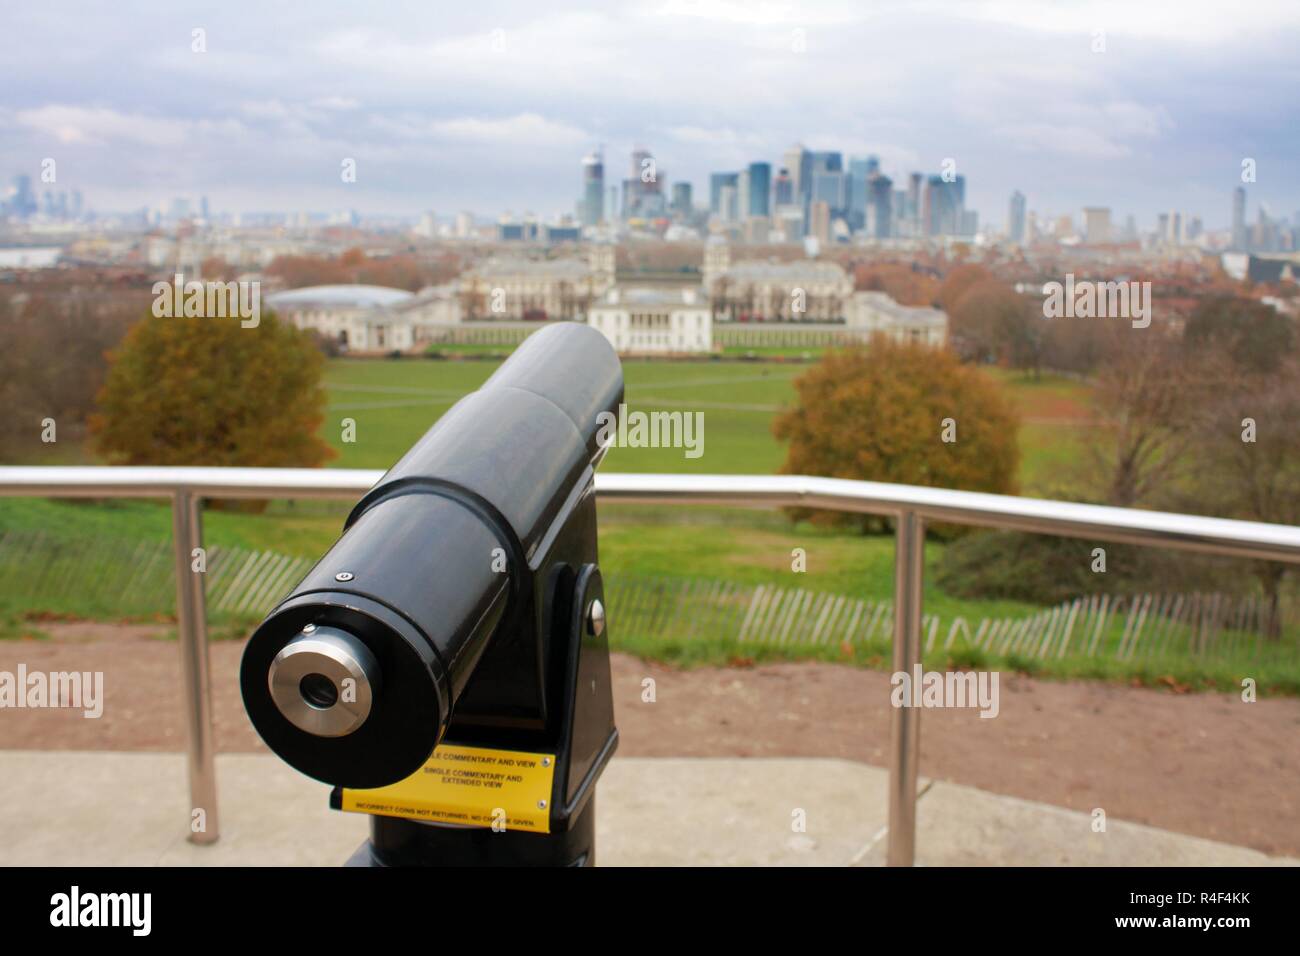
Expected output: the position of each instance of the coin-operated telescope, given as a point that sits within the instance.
(446, 664)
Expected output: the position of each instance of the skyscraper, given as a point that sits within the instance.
(880, 200)
(1016, 217)
(642, 192)
(1239, 238)
(24, 202)
(783, 188)
(819, 225)
(1096, 224)
(827, 161)
(943, 206)
(642, 168)
(856, 188)
(682, 203)
(828, 182)
(760, 189)
(799, 162)
(728, 206)
(915, 186)
(828, 186)
(591, 206)
(716, 182)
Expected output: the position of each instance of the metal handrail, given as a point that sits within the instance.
(910, 505)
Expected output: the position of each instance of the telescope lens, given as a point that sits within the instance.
(318, 691)
(324, 682)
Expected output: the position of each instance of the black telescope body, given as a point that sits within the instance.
(461, 595)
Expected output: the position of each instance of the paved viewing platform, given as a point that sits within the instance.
(103, 809)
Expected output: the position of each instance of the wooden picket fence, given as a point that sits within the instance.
(97, 576)
(1132, 627)
(1126, 627)
(103, 578)
(689, 608)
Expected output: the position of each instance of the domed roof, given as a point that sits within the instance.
(341, 296)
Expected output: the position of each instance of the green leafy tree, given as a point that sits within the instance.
(206, 391)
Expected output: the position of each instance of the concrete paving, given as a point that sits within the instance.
(82, 809)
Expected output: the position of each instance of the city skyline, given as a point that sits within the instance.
(865, 204)
(443, 115)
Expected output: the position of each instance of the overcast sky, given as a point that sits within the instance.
(490, 106)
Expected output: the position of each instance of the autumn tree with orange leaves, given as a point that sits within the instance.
(900, 282)
(900, 412)
(206, 391)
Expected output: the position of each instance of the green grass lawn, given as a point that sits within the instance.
(394, 402)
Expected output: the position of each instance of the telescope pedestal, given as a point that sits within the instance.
(581, 740)
(397, 842)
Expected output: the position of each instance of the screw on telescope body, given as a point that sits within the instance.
(596, 618)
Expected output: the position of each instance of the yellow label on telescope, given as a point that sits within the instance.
(473, 786)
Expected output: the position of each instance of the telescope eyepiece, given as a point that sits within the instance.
(324, 681)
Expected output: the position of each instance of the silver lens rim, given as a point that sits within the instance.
(338, 656)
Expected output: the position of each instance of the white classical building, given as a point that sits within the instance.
(360, 318)
(436, 305)
(368, 318)
(875, 313)
(754, 290)
(515, 287)
(654, 319)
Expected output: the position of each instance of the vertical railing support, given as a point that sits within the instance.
(196, 684)
(905, 722)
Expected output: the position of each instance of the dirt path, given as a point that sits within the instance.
(1207, 765)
